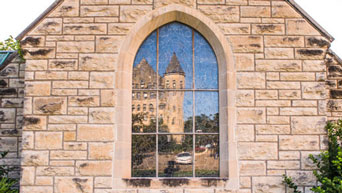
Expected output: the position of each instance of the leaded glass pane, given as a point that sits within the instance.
(144, 111)
(207, 156)
(144, 156)
(207, 112)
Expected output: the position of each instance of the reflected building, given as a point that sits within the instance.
(170, 111)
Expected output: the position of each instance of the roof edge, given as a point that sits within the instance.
(38, 19)
(311, 20)
(8, 60)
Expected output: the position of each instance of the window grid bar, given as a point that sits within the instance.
(193, 107)
(165, 90)
(176, 133)
(157, 109)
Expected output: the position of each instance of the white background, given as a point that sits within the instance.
(16, 15)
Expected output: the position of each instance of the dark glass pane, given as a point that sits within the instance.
(144, 156)
(207, 114)
(206, 68)
(175, 155)
(175, 111)
(207, 156)
(175, 56)
(145, 64)
(144, 111)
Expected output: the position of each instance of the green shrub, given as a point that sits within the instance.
(12, 44)
(328, 163)
(7, 184)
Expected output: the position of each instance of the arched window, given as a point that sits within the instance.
(172, 54)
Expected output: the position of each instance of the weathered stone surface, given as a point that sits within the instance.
(289, 155)
(314, 65)
(101, 115)
(85, 29)
(73, 184)
(289, 94)
(252, 168)
(278, 65)
(298, 142)
(93, 2)
(308, 125)
(314, 90)
(119, 28)
(55, 171)
(48, 140)
(94, 168)
(84, 101)
(36, 189)
(27, 177)
(268, 184)
(70, 84)
(95, 132)
(51, 105)
(283, 85)
(102, 79)
(108, 11)
(310, 53)
(299, 76)
(68, 155)
(108, 43)
(258, 150)
(67, 8)
(280, 165)
(268, 29)
(299, 27)
(283, 10)
(284, 41)
(235, 29)
(7, 115)
(273, 129)
(160, 3)
(266, 94)
(302, 178)
(298, 111)
(255, 11)
(244, 62)
(33, 41)
(279, 53)
(250, 44)
(67, 119)
(251, 80)
(100, 151)
(108, 98)
(39, 53)
(273, 103)
(221, 13)
(48, 26)
(245, 98)
(62, 64)
(306, 162)
(34, 158)
(133, 13)
(251, 115)
(35, 123)
(103, 182)
(75, 47)
(91, 62)
(245, 132)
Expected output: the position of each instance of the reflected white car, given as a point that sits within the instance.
(184, 158)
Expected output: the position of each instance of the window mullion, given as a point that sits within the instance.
(157, 108)
(193, 106)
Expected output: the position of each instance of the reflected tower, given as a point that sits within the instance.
(174, 78)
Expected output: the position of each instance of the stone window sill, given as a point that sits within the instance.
(176, 182)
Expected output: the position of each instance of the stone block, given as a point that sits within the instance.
(317, 42)
(95, 132)
(97, 11)
(268, 184)
(102, 79)
(102, 115)
(283, 10)
(48, 26)
(310, 53)
(284, 41)
(76, 47)
(299, 76)
(50, 75)
(161, 3)
(226, 14)
(55, 171)
(245, 44)
(7, 115)
(100, 151)
(84, 101)
(108, 43)
(282, 165)
(94, 168)
(49, 105)
(251, 80)
(308, 125)
(279, 53)
(133, 13)
(68, 8)
(93, 2)
(306, 162)
(300, 27)
(103, 182)
(272, 103)
(39, 53)
(62, 64)
(73, 184)
(235, 29)
(314, 65)
(245, 98)
(245, 132)
(75, 146)
(90, 62)
(27, 176)
(266, 94)
(298, 111)
(34, 158)
(68, 155)
(108, 98)
(27, 140)
(290, 94)
(70, 84)
(289, 155)
(35, 123)
(44, 181)
(268, 29)
(36, 65)
(298, 142)
(78, 75)
(273, 129)
(251, 115)
(85, 29)
(48, 140)
(302, 178)
(255, 11)
(67, 119)
(252, 168)
(278, 119)
(36, 189)
(283, 85)
(119, 28)
(258, 150)
(279, 65)
(314, 90)
(244, 62)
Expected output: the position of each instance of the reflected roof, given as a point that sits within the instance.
(4, 55)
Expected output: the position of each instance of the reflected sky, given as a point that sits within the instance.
(148, 50)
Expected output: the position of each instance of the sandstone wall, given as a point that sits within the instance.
(70, 77)
(11, 113)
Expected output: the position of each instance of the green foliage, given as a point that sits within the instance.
(12, 44)
(6, 183)
(328, 163)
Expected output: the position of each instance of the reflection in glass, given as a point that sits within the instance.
(175, 112)
(143, 112)
(175, 155)
(207, 114)
(175, 56)
(206, 72)
(207, 156)
(144, 156)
